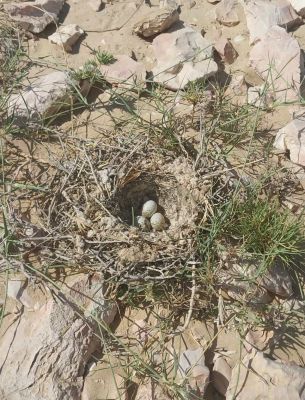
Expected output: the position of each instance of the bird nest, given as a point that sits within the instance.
(87, 217)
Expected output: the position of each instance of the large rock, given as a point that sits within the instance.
(43, 98)
(258, 377)
(35, 16)
(125, 72)
(44, 352)
(299, 6)
(226, 12)
(261, 15)
(278, 59)
(182, 56)
(292, 138)
(156, 22)
(66, 36)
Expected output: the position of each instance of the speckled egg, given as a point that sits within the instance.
(157, 222)
(149, 208)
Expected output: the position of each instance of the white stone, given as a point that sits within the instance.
(259, 377)
(156, 21)
(261, 15)
(292, 138)
(66, 36)
(299, 6)
(226, 12)
(44, 97)
(182, 56)
(125, 72)
(278, 59)
(35, 16)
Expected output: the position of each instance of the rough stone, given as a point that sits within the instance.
(192, 367)
(299, 6)
(96, 5)
(43, 98)
(258, 377)
(182, 56)
(225, 49)
(278, 59)
(261, 15)
(35, 16)
(51, 346)
(292, 138)
(156, 22)
(66, 36)
(125, 72)
(226, 13)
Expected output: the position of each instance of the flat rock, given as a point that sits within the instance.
(51, 346)
(258, 377)
(278, 59)
(225, 49)
(156, 22)
(226, 12)
(66, 36)
(261, 15)
(34, 16)
(43, 98)
(182, 56)
(125, 72)
(299, 6)
(292, 138)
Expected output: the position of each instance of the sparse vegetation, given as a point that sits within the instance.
(70, 202)
(104, 57)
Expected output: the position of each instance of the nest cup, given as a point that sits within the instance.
(132, 196)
